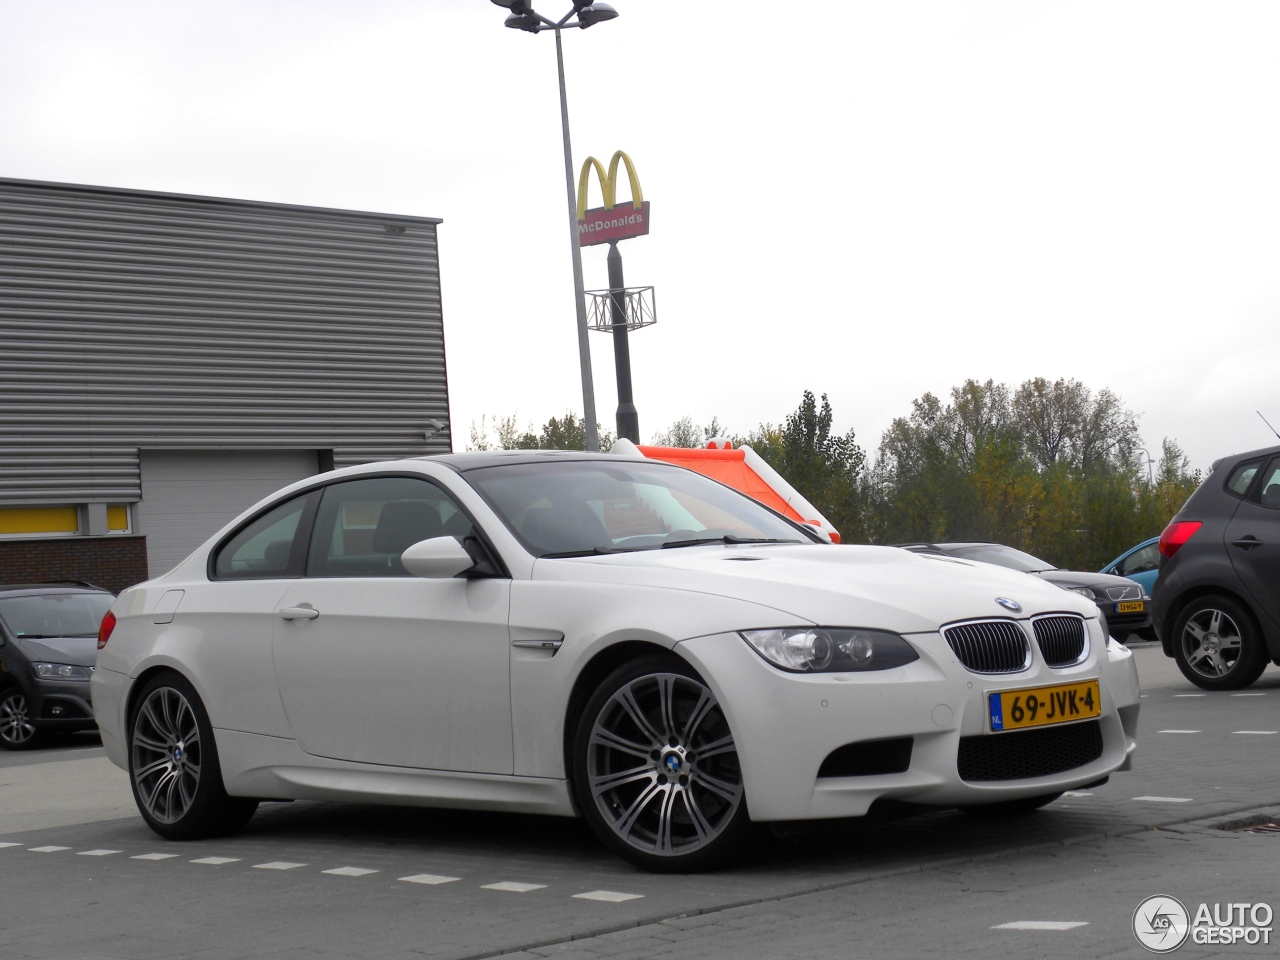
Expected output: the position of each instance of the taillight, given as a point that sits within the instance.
(1176, 534)
(104, 630)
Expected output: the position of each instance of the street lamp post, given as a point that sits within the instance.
(584, 14)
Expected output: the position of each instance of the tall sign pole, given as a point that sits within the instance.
(579, 296)
(628, 418)
(627, 309)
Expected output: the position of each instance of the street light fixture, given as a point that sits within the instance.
(583, 15)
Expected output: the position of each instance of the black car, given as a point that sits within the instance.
(1124, 605)
(1217, 601)
(48, 645)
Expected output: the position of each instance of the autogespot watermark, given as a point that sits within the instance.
(1162, 924)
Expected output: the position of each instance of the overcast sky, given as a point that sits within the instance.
(871, 200)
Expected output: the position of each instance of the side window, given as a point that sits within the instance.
(363, 526)
(1241, 477)
(1271, 485)
(267, 547)
(1140, 561)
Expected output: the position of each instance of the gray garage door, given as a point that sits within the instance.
(187, 495)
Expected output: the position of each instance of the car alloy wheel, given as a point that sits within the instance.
(1211, 642)
(166, 755)
(16, 728)
(662, 768)
(1218, 645)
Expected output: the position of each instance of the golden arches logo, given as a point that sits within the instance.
(608, 182)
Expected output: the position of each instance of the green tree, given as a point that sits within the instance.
(825, 467)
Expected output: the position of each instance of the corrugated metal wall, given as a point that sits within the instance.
(132, 319)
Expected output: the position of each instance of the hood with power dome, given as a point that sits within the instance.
(856, 586)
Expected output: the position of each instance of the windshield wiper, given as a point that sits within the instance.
(730, 538)
(593, 552)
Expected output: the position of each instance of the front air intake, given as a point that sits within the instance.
(1061, 639)
(868, 758)
(990, 646)
(1027, 754)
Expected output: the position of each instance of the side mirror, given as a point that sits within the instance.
(437, 559)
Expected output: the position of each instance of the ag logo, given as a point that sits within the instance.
(1009, 604)
(1161, 924)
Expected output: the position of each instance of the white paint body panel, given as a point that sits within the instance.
(406, 672)
(411, 690)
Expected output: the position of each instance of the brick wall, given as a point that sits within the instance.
(111, 562)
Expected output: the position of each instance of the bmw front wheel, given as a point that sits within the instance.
(656, 770)
(173, 764)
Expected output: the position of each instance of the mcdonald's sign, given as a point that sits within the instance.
(609, 223)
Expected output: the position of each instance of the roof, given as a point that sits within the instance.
(474, 460)
(27, 589)
(742, 469)
(263, 205)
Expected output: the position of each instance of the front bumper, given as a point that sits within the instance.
(1126, 622)
(786, 724)
(61, 705)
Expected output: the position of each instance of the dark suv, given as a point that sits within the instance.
(48, 645)
(1217, 601)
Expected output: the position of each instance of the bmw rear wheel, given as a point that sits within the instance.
(17, 731)
(173, 764)
(656, 769)
(1217, 645)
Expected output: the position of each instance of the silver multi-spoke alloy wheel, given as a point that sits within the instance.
(166, 755)
(662, 766)
(1211, 643)
(16, 728)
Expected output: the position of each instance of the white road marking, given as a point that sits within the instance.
(1041, 925)
(608, 896)
(1246, 694)
(1178, 731)
(47, 849)
(216, 861)
(510, 886)
(1166, 799)
(428, 878)
(1257, 733)
(154, 856)
(10, 844)
(1190, 694)
(1077, 793)
(278, 865)
(349, 871)
(97, 853)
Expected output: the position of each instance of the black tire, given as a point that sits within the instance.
(1217, 643)
(1011, 808)
(17, 732)
(677, 812)
(175, 776)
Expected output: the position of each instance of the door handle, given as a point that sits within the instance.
(1247, 543)
(298, 613)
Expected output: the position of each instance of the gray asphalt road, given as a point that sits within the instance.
(318, 880)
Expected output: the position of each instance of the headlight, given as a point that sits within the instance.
(61, 671)
(830, 649)
(1083, 591)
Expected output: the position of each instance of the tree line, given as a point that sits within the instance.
(1049, 467)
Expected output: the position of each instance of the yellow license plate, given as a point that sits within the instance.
(1040, 706)
(1133, 606)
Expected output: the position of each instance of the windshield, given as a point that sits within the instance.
(578, 508)
(55, 614)
(998, 554)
